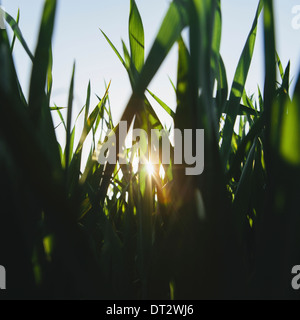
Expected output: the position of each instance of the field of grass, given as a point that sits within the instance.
(119, 232)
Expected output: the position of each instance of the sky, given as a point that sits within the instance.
(77, 38)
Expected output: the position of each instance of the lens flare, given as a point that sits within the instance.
(150, 168)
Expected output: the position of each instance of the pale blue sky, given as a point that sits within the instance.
(77, 37)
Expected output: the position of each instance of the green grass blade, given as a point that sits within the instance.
(238, 87)
(243, 193)
(270, 71)
(297, 88)
(68, 151)
(169, 111)
(217, 29)
(202, 46)
(91, 121)
(114, 49)
(126, 55)
(174, 22)
(38, 102)
(49, 74)
(172, 84)
(245, 145)
(17, 33)
(222, 90)
(216, 43)
(87, 103)
(184, 112)
(136, 37)
(260, 99)
(289, 147)
(131, 70)
(15, 37)
(280, 67)
(61, 116)
(14, 79)
(286, 79)
(56, 108)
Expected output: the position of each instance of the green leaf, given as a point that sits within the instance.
(60, 116)
(243, 193)
(216, 44)
(286, 79)
(173, 24)
(290, 133)
(87, 103)
(222, 90)
(38, 106)
(41, 61)
(217, 29)
(238, 87)
(244, 146)
(17, 33)
(204, 53)
(184, 112)
(56, 108)
(89, 123)
(279, 66)
(169, 111)
(68, 151)
(114, 49)
(15, 37)
(127, 56)
(136, 37)
(49, 74)
(129, 67)
(270, 71)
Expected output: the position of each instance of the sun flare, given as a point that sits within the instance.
(150, 168)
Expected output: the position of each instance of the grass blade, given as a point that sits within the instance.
(114, 49)
(136, 37)
(238, 87)
(68, 151)
(15, 37)
(169, 111)
(41, 61)
(17, 33)
(174, 22)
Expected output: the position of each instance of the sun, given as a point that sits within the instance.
(150, 168)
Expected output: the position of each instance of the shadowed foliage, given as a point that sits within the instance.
(118, 232)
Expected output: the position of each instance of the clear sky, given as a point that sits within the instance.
(77, 37)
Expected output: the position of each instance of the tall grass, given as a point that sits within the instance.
(111, 232)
